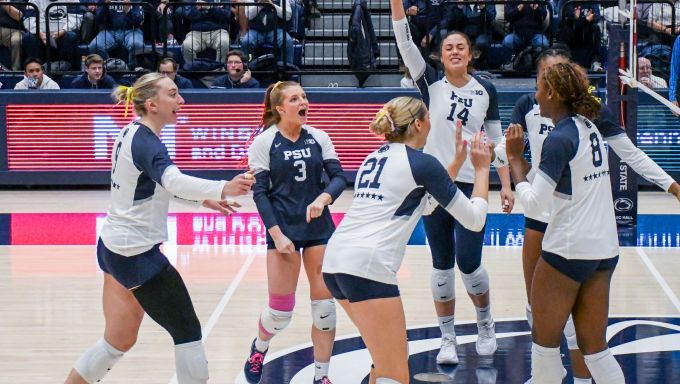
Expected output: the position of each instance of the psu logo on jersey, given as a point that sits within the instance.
(297, 154)
(545, 128)
(384, 148)
(623, 204)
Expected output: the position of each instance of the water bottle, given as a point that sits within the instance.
(83, 67)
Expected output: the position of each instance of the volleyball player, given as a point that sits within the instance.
(137, 276)
(527, 115)
(580, 246)
(365, 253)
(289, 159)
(458, 97)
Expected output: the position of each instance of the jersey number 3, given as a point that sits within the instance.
(302, 168)
(365, 180)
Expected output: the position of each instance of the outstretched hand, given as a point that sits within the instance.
(226, 207)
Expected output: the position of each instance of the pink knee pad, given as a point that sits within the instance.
(278, 313)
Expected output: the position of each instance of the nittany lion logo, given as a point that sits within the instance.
(646, 348)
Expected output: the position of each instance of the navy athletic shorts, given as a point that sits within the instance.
(579, 270)
(354, 288)
(131, 271)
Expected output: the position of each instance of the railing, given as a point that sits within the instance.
(101, 42)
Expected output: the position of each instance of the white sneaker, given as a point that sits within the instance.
(531, 379)
(447, 353)
(486, 338)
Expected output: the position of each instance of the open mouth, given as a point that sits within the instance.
(302, 112)
(175, 111)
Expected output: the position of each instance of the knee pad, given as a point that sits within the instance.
(190, 363)
(97, 361)
(323, 314)
(443, 285)
(385, 380)
(570, 334)
(477, 282)
(273, 321)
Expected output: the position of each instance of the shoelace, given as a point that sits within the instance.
(256, 362)
(325, 380)
(447, 341)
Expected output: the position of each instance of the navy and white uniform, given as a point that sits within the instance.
(143, 180)
(475, 105)
(289, 176)
(573, 177)
(389, 199)
(527, 114)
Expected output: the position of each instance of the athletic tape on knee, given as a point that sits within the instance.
(570, 334)
(284, 303)
(273, 321)
(477, 282)
(443, 285)
(530, 316)
(190, 363)
(323, 314)
(546, 364)
(604, 368)
(97, 361)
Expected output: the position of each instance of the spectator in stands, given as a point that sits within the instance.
(263, 23)
(526, 24)
(94, 76)
(35, 77)
(424, 18)
(119, 25)
(659, 18)
(168, 67)
(239, 75)
(475, 20)
(64, 31)
(580, 31)
(646, 77)
(11, 32)
(208, 23)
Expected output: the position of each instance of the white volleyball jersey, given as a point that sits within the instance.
(389, 198)
(475, 105)
(527, 114)
(574, 168)
(143, 179)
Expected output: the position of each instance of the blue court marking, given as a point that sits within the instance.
(648, 350)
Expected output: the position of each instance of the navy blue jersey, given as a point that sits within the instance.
(290, 175)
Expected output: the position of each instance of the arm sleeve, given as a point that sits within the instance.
(422, 74)
(535, 197)
(492, 123)
(501, 159)
(675, 69)
(262, 202)
(151, 157)
(607, 124)
(331, 164)
(640, 162)
(428, 172)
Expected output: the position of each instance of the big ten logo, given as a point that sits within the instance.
(229, 142)
(105, 130)
(239, 229)
(297, 154)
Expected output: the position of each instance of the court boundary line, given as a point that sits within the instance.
(659, 279)
(217, 312)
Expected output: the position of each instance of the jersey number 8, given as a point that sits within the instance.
(595, 147)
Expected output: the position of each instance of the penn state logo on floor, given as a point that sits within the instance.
(647, 349)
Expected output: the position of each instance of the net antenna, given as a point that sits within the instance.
(628, 71)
